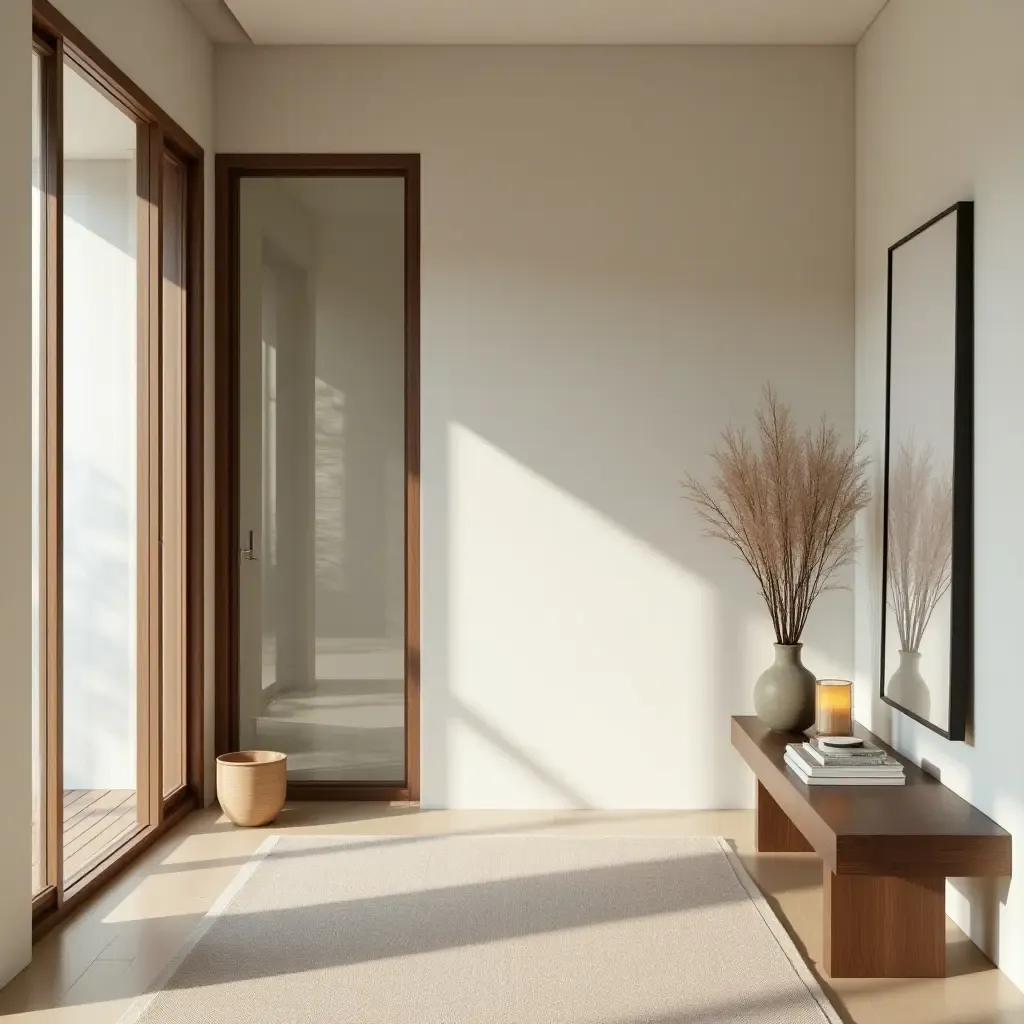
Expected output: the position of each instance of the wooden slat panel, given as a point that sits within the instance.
(113, 824)
(73, 796)
(106, 801)
(81, 808)
(110, 805)
(119, 830)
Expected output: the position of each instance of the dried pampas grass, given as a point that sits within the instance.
(787, 507)
(919, 552)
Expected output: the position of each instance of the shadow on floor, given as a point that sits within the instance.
(310, 814)
(287, 941)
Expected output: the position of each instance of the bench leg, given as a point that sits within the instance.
(884, 927)
(775, 832)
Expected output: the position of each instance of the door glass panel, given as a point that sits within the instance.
(38, 477)
(100, 492)
(173, 495)
(322, 475)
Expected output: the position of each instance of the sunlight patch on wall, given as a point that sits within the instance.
(586, 643)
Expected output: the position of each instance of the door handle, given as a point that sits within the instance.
(249, 553)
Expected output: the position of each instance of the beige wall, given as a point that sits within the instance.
(360, 475)
(620, 246)
(16, 472)
(940, 95)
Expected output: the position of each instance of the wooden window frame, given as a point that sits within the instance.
(231, 168)
(58, 41)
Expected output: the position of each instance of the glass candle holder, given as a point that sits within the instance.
(834, 707)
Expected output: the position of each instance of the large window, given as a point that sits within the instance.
(116, 190)
(102, 436)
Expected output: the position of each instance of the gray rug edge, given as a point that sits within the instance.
(780, 934)
(142, 1003)
(775, 927)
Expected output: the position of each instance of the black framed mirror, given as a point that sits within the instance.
(926, 635)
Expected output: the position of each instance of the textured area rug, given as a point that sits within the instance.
(509, 929)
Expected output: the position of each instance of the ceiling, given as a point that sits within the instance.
(536, 21)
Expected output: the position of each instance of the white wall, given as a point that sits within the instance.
(360, 471)
(159, 45)
(16, 472)
(940, 96)
(620, 246)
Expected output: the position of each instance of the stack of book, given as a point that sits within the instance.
(817, 763)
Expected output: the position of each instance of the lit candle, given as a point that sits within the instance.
(834, 707)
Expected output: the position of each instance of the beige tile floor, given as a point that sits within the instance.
(88, 971)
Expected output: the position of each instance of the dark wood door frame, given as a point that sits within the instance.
(231, 169)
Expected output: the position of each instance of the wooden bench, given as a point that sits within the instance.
(887, 853)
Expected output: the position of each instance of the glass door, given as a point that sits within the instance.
(103, 434)
(322, 475)
(117, 471)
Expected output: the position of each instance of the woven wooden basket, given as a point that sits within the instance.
(251, 785)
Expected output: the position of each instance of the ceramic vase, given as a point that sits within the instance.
(784, 693)
(907, 687)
